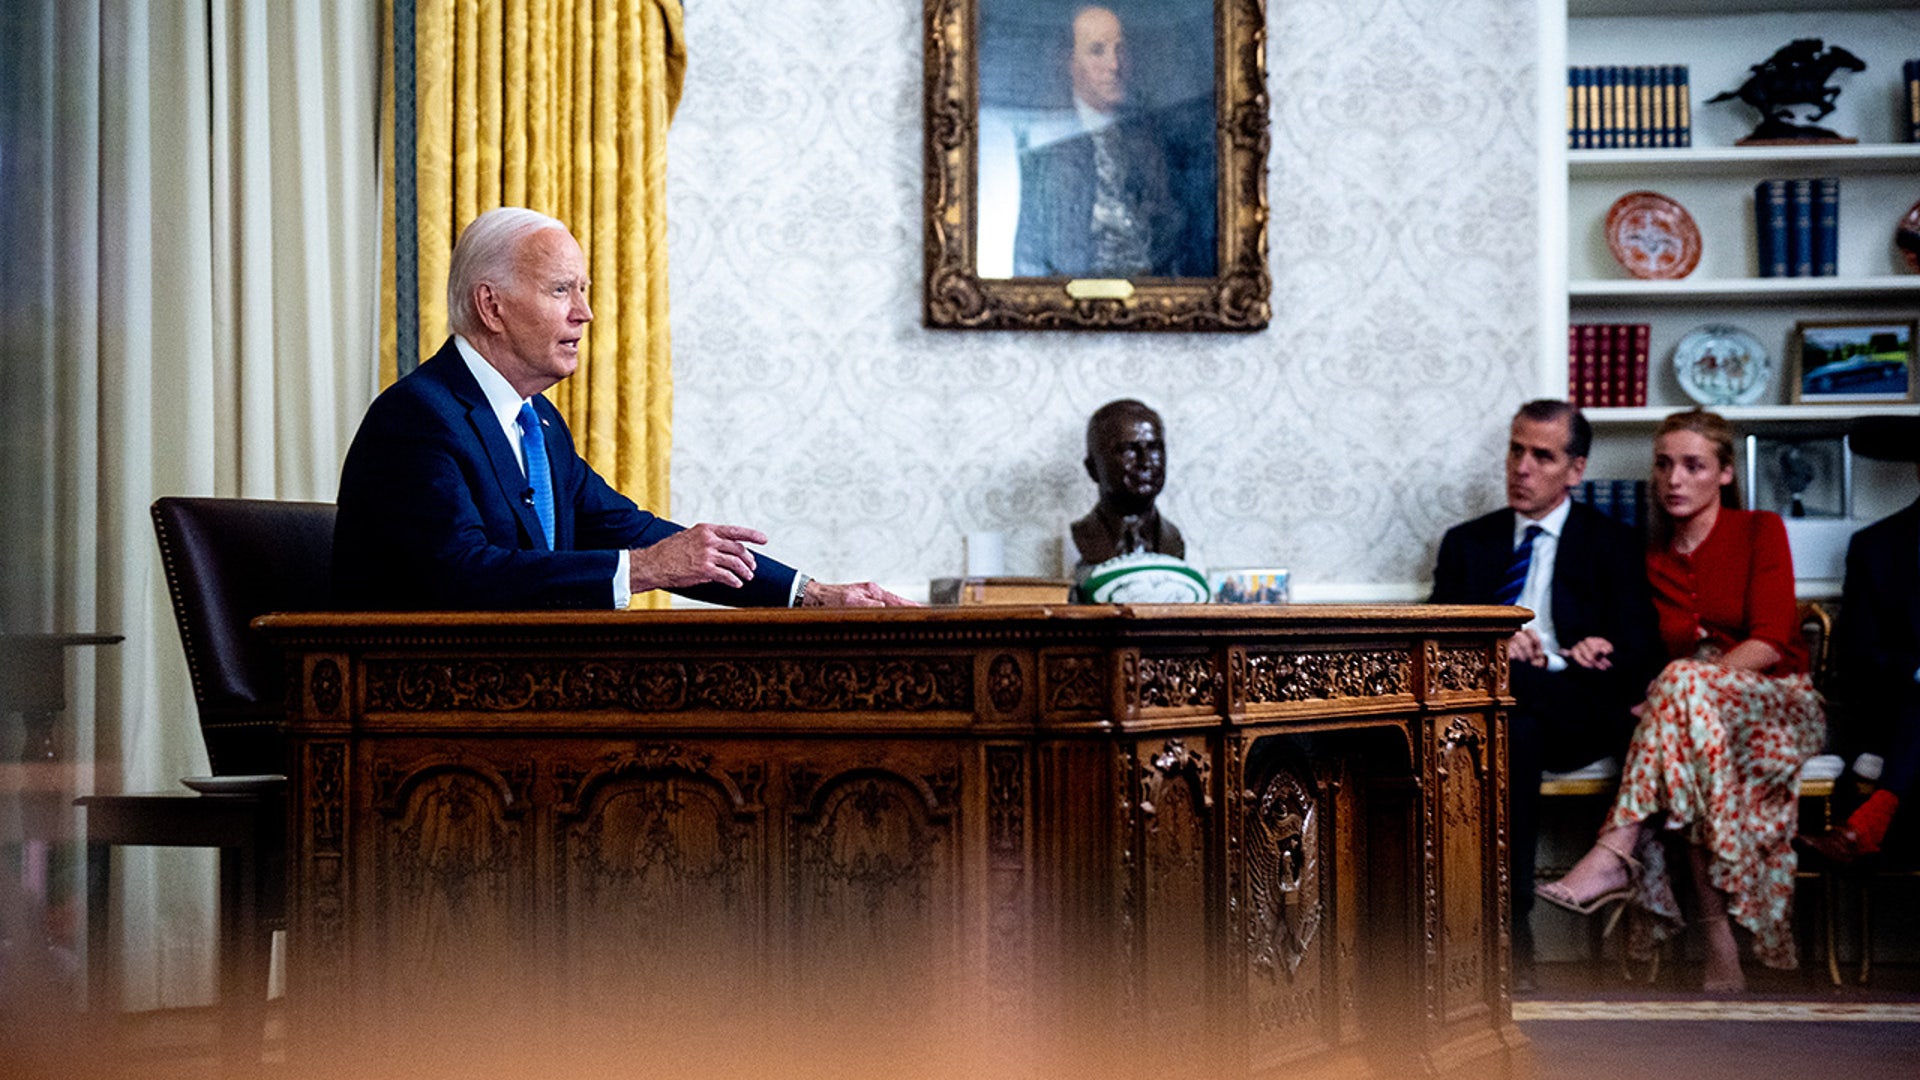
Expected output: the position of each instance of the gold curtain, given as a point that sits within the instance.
(561, 106)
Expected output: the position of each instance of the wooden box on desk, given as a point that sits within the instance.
(1000, 590)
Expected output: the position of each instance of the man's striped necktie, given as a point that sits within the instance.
(1517, 567)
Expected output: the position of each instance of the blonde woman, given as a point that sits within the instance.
(1726, 725)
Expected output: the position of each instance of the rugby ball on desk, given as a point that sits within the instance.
(1145, 577)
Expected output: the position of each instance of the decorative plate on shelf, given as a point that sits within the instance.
(1906, 237)
(1652, 236)
(1719, 364)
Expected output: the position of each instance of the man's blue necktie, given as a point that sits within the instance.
(1517, 567)
(533, 442)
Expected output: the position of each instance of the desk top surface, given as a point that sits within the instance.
(291, 628)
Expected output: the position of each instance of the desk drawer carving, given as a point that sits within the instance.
(1173, 682)
(1274, 677)
(494, 685)
(1459, 670)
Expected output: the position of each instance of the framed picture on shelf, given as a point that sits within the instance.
(1858, 360)
(1799, 476)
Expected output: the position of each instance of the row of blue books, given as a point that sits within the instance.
(1910, 73)
(1625, 501)
(1612, 107)
(1797, 227)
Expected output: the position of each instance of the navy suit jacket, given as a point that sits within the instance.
(435, 512)
(1877, 644)
(1599, 590)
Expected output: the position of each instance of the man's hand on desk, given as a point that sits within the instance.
(861, 594)
(697, 556)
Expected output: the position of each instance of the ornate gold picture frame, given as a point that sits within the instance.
(1096, 166)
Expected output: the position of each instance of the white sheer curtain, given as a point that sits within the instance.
(191, 230)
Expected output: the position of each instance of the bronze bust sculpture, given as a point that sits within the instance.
(1127, 457)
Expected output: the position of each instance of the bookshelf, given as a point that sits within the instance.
(1713, 179)
(1718, 40)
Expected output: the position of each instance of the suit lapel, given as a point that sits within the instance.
(486, 427)
(1567, 552)
(1910, 539)
(1499, 552)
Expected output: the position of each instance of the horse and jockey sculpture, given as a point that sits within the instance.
(1796, 75)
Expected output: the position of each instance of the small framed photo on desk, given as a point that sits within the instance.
(1267, 585)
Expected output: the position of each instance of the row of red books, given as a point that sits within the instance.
(1607, 363)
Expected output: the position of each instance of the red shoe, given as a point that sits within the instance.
(1839, 847)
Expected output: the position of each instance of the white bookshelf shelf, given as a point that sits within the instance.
(1742, 160)
(1650, 415)
(1668, 8)
(1689, 290)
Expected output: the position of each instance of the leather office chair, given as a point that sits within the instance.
(227, 561)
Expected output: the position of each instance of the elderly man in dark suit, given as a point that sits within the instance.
(1877, 653)
(1584, 660)
(462, 488)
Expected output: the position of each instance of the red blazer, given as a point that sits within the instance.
(1738, 584)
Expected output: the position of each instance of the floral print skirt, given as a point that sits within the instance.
(1717, 754)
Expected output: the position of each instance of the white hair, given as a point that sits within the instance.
(484, 253)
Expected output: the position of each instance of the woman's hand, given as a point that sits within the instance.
(1751, 654)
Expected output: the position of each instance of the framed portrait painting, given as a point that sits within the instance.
(1096, 165)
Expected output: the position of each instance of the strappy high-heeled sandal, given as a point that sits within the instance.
(1557, 894)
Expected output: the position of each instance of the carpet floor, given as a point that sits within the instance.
(1587, 1025)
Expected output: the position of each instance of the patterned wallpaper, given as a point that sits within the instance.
(1340, 442)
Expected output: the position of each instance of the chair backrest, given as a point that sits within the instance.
(227, 562)
(1816, 629)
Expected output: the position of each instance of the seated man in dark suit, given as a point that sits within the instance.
(1584, 661)
(1877, 653)
(463, 490)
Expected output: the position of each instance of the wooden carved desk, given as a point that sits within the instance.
(1122, 841)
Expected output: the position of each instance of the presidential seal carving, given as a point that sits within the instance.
(1283, 875)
